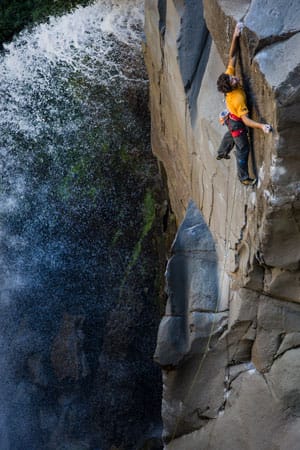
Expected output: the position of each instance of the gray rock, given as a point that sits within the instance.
(193, 50)
(290, 340)
(284, 379)
(193, 234)
(243, 307)
(281, 77)
(172, 343)
(236, 370)
(191, 311)
(265, 348)
(194, 393)
(268, 23)
(192, 277)
(254, 427)
(253, 232)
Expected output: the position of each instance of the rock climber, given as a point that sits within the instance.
(236, 118)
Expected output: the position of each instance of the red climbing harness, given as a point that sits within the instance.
(234, 117)
(235, 125)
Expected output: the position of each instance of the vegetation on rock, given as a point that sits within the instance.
(17, 14)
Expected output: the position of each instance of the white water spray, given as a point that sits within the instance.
(82, 41)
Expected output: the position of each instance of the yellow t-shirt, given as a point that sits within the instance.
(236, 99)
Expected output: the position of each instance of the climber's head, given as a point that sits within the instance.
(227, 83)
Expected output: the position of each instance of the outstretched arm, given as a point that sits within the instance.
(234, 44)
(265, 127)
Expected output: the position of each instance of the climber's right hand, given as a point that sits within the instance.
(267, 128)
(238, 29)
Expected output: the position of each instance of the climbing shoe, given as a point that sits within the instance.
(223, 157)
(249, 181)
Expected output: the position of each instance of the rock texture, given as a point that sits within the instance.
(237, 387)
(192, 315)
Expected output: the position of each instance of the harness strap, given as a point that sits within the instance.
(234, 117)
(235, 125)
(236, 133)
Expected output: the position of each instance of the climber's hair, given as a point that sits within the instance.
(223, 83)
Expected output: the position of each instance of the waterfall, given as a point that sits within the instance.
(75, 172)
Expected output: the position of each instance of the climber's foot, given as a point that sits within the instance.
(249, 181)
(223, 157)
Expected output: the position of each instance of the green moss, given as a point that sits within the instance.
(77, 175)
(116, 237)
(149, 217)
(148, 221)
(124, 154)
(105, 148)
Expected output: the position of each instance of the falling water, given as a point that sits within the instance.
(75, 172)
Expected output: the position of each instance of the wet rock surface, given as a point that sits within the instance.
(249, 373)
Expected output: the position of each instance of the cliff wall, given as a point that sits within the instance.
(229, 343)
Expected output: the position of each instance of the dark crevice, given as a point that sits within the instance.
(240, 241)
(267, 384)
(162, 10)
(213, 199)
(193, 44)
(270, 40)
(197, 77)
(293, 347)
(296, 219)
(278, 297)
(212, 311)
(244, 344)
(189, 82)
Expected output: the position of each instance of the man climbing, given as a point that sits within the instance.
(236, 118)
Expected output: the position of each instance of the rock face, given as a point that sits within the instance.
(192, 315)
(235, 260)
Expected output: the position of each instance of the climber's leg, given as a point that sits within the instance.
(242, 154)
(226, 146)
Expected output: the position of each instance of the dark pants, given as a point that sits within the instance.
(242, 152)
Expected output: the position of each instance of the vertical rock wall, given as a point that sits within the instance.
(231, 380)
